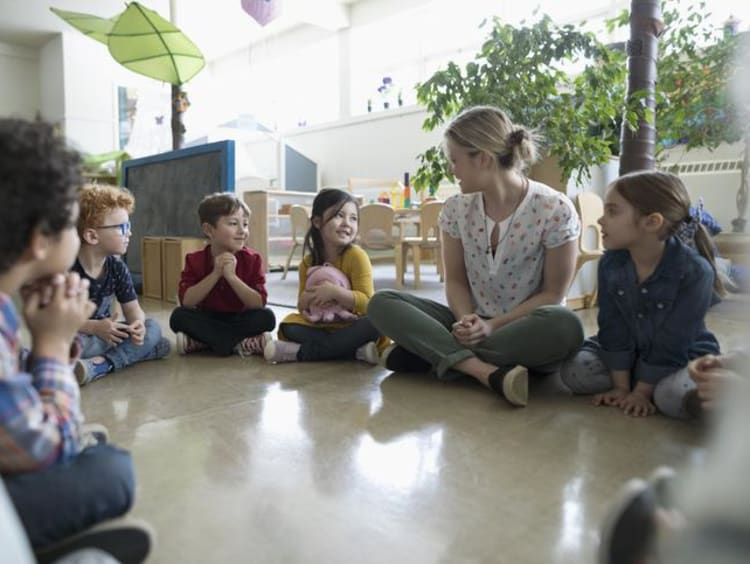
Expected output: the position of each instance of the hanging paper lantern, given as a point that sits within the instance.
(262, 11)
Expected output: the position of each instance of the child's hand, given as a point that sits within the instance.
(230, 266)
(700, 367)
(712, 384)
(324, 294)
(637, 404)
(470, 329)
(46, 286)
(111, 331)
(137, 331)
(611, 398)
(225, 264)
(54, 311)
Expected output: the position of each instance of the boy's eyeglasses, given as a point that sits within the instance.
(123, 227)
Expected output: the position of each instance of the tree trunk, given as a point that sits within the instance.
(178, 128)
(645, 27)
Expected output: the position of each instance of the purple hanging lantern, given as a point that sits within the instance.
(262, 11)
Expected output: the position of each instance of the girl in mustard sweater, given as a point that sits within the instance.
(330, 240)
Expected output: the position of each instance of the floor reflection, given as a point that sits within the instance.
(407, 464)
(340, 462)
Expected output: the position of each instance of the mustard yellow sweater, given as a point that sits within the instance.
(355, 264)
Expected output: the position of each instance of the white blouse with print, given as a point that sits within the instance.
(544, 219)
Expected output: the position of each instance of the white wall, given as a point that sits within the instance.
(19, 69)
(70, 81)
(52, 81)
(383, 144)
(90, 97)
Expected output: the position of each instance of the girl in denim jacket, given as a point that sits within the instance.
(656, 281)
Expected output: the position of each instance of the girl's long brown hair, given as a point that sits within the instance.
(652, 191)
(324, 200)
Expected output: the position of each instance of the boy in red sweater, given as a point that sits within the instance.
(222, 288)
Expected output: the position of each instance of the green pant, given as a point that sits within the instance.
(546, 336)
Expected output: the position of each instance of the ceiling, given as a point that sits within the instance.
(216, 26)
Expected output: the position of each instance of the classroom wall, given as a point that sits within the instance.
(381, 145)
(90, 96)
(52, 81)
(19, 69)
(70, 81)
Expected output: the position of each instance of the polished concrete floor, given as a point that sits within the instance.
(341, 462)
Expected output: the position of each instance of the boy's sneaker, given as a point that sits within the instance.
(128, 541)
(187, 345)
(368, 353)
(93, 434)
(397, 359)
(87, 371)
(512, 384)
(281, 351)
(253, 345)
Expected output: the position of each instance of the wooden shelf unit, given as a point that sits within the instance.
(265, 206)
(163, 259)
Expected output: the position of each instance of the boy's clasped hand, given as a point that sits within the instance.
(54, 309)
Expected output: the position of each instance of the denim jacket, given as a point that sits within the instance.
(653, 329)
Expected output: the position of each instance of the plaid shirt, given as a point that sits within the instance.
(40, 412)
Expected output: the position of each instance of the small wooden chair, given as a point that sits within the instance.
(430, 239)
(376, 224)
(590, 208)
(300, 224)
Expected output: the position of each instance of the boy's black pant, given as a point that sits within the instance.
(221, 331)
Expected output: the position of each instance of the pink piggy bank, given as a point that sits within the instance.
(316, 275)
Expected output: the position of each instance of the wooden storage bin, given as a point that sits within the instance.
(151, 266)
(173, 253)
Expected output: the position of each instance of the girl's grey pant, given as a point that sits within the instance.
(585, 373)
(538, 341)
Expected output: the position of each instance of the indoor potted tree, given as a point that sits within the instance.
(527, 71)
(694, 107)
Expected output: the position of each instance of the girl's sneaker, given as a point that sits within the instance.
(281, 351)
(253, 345)
(368, 353)
(187, 345)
